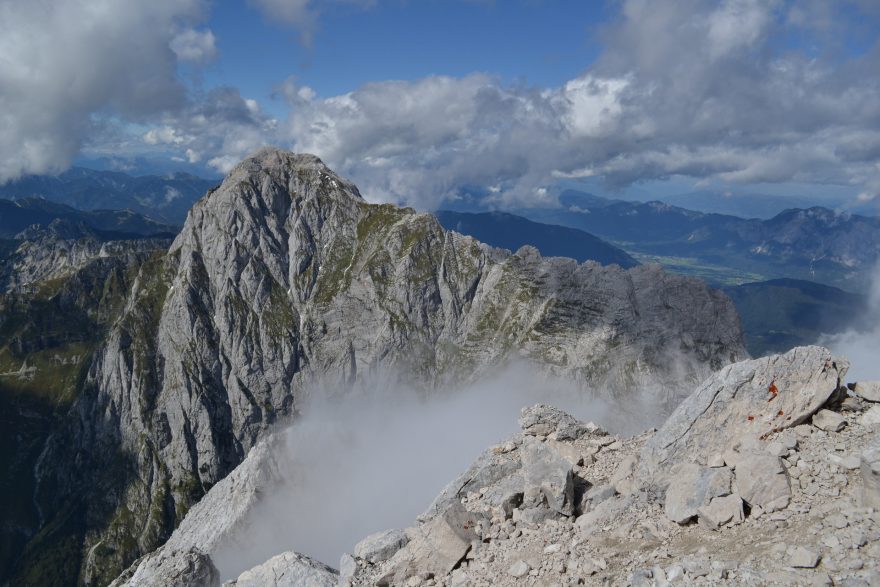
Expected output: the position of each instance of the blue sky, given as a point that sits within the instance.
(422, 102)
(527, 42)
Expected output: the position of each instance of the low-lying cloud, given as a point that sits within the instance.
(375, 462)
(861, 345)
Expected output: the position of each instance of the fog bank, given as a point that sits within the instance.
(376, 461)
(861, 345)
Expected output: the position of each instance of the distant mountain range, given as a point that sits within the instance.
(508, 231)
(165, 198)
(816, 244)
(763, 206)
(18, 215)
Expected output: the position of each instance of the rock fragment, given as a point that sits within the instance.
(761, 480)
(800, 557)
(380, 546)
(545, 469)
(871, 418)
(288, 569)
(725, 510)
(691, 488)
(868, 390)
(519, 569)
(828, 421)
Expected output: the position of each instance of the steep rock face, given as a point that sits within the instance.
(284, 282)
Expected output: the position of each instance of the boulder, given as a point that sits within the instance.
(173, 568)
(735, 403)
(288, 569)
(800, 557)
(868, 390)
(380, 546)
(724, 510)
(544, 420)
(871, 418)
(870, 472)
(693, 487)
(435, 547)
(761, 480)
(545, 469)
(828, 421)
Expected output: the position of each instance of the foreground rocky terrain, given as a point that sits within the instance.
(768, 474)
(285, 283)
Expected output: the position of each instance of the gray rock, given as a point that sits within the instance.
(693, 487)
(871, 418)
(732, 405)
(776, 449)
(828, 421)
(725, 510)
(519, 569)
(715, 461)
(870, 473)
(761, 480)
(548, 471)
(543, 420)
(593, 497)
(800, 557)
(175, 568)
(435, 547)
(868, 390)
(380, 546)
(288, 569)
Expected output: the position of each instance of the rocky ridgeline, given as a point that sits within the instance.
(768, 474)
(63, 248)
(284, 282)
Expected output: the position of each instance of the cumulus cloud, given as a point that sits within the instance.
(196, 46)
(220, 123)
(695, 88)
(64, 61)
(736, 91)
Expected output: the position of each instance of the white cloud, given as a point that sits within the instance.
(196, 46)
(692, 88)
(65, 62)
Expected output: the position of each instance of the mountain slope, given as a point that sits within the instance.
(167, 198)
(512, 232)
(58, 298)
(285, 283)
(780, 314)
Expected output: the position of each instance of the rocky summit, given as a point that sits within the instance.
(730, 490)
(283, 284)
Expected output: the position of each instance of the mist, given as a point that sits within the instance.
(373, 462)
(861, 345)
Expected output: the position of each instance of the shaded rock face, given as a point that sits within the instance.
(284, 282)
